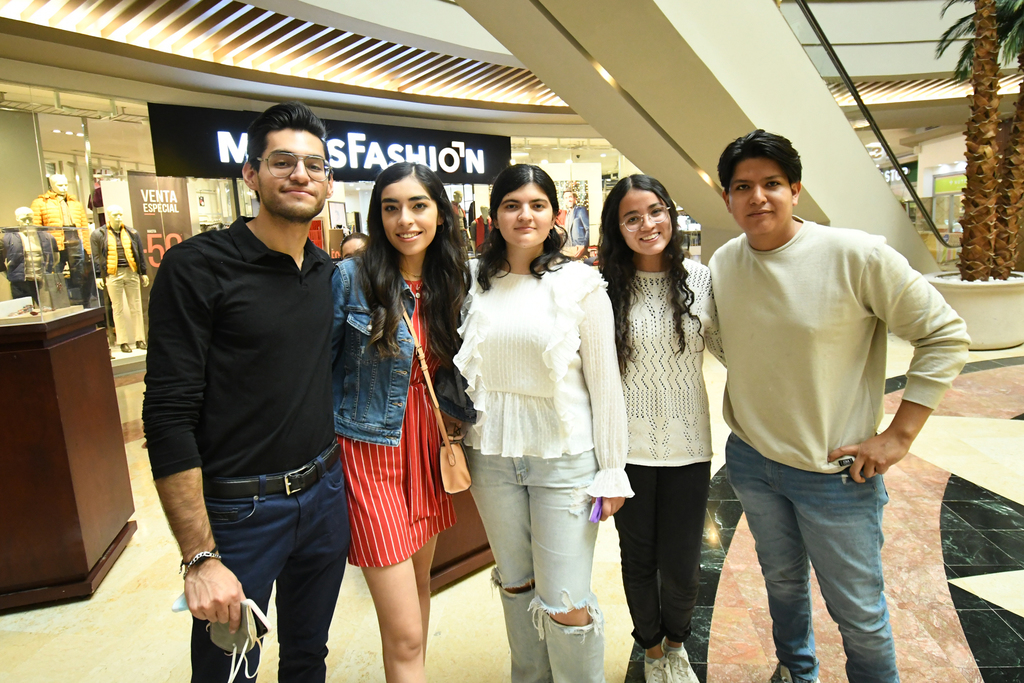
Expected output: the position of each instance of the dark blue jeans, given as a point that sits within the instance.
(299, 541)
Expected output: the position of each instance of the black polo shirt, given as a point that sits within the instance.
(238, 375)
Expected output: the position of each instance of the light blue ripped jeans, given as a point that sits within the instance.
(536, 513)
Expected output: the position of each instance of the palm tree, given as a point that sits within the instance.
(994, 185)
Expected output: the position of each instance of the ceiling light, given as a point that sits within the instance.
(81, 135)
(56, 130)
(543, 161)
(68, 132)
(603, 155)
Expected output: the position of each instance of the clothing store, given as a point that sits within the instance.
(101, 188)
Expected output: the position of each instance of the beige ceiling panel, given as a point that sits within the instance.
(129, 13)
(95, 14)
(288, 47)
(228, 33)
(234, 33)
(185, 19)
(66, 9)
(209, 22)
(257, 28)
(165, 10)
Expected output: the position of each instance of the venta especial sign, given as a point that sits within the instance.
(211, 143)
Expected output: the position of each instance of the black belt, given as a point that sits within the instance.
(287, 483)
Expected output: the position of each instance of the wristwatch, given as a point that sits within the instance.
(198, 559)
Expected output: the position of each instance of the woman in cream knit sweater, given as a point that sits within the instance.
(549, 445)
(664, 319)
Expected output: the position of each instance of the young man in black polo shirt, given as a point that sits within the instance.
(238, 405)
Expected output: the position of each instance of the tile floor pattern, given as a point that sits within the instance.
(965, 479)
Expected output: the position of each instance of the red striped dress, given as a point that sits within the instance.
(396, 502)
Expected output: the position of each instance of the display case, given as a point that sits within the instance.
(40, 281)
(67, 513)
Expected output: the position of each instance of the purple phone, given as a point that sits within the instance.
(595, 511)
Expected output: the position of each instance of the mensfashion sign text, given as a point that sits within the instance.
(369, 154)
(212, 143)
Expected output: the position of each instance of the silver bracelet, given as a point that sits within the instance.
(197, 559)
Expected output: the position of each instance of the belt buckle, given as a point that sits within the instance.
(301, 472)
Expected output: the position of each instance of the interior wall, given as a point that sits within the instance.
(22, 178)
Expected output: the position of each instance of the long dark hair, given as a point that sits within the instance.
(445, 273)
(494, 253)
(618, 269)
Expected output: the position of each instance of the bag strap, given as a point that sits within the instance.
(430, 386)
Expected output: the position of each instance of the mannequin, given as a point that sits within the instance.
(58, 209)
(460, 213)
(119, 262)
(27, 254)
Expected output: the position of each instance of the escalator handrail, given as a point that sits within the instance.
(848, 82)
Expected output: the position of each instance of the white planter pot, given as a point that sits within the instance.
(993, 310)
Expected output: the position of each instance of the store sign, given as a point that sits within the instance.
(211, 143)
(161, 214)
(949, 183)
(892, 176)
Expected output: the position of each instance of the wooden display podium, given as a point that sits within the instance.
(461, 549)
(67, 494)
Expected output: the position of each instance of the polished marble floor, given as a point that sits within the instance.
(954, 568)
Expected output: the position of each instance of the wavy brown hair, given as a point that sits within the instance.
(618, 268)
(445, 272)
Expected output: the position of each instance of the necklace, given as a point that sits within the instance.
(415, 285)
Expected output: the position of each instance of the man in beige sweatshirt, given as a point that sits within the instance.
(803, 311)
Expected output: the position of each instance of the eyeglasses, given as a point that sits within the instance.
(282, 165)
(658, 215)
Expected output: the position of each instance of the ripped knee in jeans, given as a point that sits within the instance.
(524, 587)
(596, 625)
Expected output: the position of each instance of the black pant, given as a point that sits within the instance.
(660, 532)
(298, 541)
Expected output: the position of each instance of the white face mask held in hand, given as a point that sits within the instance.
(251, 630)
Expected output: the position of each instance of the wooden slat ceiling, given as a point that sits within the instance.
(233, 33)
(889, 92)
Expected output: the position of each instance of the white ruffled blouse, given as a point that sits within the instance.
(539, 358)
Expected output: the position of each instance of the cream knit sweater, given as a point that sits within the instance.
(538, 355)
(804, 333)
(666, 400)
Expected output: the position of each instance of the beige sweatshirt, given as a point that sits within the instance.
(803, 329)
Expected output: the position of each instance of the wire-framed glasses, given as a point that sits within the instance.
(658, 215)
(282, 165)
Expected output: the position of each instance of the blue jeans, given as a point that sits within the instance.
(299, 541)
(536, 514)
(837, 523)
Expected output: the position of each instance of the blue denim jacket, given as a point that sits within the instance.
(370, 391)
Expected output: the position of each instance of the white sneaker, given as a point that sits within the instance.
(679, 666)
(657, 671)
(782, 675)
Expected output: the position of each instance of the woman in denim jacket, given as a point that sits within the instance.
(383, 415)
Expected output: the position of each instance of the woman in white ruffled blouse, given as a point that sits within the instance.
(549, 445)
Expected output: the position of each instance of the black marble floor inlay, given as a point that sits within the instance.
(724, 512)
(983, 533)
(900, 382)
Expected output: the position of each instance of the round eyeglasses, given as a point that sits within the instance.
(282, 165)
(658, 215)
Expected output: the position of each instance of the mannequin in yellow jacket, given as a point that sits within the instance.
(57, 209)
(120, 265)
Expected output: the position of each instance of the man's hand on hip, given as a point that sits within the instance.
(882, 451)
(874, 456)
(214, 594)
